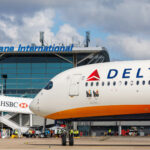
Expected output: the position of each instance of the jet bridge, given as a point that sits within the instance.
(12, 107)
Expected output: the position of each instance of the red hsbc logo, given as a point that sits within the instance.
(23, 105)
(94, 76)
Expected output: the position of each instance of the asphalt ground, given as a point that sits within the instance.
(84, 143)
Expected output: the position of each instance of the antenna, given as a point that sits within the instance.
(42, 38)
(87, 38)
(33, 44)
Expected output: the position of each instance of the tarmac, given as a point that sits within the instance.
(83, 143)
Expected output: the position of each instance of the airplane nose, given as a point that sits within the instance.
(31, 106)
(34, 106)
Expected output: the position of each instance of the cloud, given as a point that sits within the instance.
(29, 7)
(132, 46)
(126, 22)
(125, 16)
(28, 30)
(32, 25)
(68, 34)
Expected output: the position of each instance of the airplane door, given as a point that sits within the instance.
(74, 85)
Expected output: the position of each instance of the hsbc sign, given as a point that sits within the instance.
(13, 104)
(8, 104)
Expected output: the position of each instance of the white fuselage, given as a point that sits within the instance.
(104, 89)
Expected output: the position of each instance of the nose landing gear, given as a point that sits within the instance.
(67, 135)
(63, 138)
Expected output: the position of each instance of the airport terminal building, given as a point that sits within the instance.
(24, 74)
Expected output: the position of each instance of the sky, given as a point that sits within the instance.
(121, 26)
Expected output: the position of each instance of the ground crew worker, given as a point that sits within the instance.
(105, 133)
(77, 132)
(57, 133)
(71, 132)
(48, 133)
(109, 132)
(30, 132)
(19, 133)
(51, 131)
(33, 131)
(16, 132)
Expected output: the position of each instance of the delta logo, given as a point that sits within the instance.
(23, 105)
(94, 76)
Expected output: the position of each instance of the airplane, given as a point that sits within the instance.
(104, 91)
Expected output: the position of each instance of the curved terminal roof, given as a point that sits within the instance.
(79, 54)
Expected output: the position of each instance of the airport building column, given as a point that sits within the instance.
(2, 113)
(75, 60)
(20, 120)
(75, 126)
(31, 120)
(44, 125)
(119, 128)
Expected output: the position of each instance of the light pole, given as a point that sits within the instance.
(1, 112)
(2, 90)
(4, 76)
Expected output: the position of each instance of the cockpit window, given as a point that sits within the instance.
(49, 85)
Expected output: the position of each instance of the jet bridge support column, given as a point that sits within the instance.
(31, 120)
(20, 120)
(75, 125)
(119, 128)
(2, 114)
(44, 125)
(74, 60)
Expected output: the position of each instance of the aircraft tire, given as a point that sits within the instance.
(63, 137)
(71, 140)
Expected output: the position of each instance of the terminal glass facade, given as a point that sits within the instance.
(25, 76)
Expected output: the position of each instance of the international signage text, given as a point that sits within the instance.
(50, 48)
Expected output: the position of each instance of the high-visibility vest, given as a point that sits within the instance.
(16, 132)
(71, 131)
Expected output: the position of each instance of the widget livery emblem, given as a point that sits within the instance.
(23, 105)
(94, 76)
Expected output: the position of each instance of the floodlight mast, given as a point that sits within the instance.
(87, 39)
(2, 90)
(42, 38)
